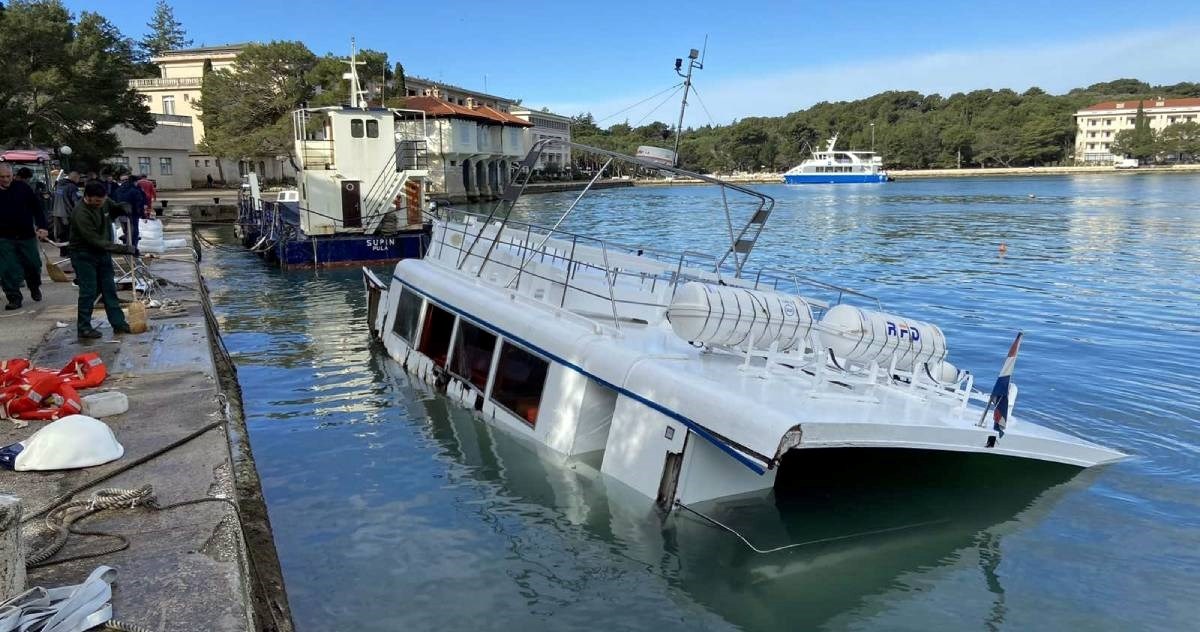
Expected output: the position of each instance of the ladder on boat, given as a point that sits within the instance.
(402, 174)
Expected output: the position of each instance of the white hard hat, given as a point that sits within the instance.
(71, 442)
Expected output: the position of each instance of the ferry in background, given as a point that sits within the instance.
(835, 167)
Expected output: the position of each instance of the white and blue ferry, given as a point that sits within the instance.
(836, 167)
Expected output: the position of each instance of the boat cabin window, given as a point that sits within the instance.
(408, 314)
(435, 334)
(372, 128)
(520, 377)
(356, 128)
(473, 349)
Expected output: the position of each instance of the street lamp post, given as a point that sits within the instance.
(63, 153)
(872, 137)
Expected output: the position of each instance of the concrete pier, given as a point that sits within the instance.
(209, 565)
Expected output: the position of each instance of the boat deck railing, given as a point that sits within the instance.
(630, 279)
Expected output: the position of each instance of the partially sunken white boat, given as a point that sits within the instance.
(686, 377)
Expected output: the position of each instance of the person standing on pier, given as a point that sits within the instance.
(66, 196)
(92, 247)
(147, 186)
(22, 223)
(130, 195)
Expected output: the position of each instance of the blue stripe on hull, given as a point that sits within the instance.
(833, 178)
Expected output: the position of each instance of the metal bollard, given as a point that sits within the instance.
(12, 556)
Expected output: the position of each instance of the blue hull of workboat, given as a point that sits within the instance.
(342, 250)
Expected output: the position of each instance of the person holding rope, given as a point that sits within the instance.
(92, 247)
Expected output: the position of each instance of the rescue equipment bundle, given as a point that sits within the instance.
(36, 394)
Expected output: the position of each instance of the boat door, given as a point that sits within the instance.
(351, 204)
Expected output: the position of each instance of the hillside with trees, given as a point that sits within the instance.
(982, 128)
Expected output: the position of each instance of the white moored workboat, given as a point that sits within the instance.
(687, 378)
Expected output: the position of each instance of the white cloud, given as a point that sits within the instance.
(1159, 56)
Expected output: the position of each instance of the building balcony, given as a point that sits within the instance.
(158, 83)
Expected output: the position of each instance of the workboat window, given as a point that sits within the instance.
(473, 349)
(408, 314)
(520, 377)
(435, 334)
(372, 128)
(356, 128)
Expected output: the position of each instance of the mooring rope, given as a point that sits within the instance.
(836, 538)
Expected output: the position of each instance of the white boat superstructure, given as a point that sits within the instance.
(690, 376)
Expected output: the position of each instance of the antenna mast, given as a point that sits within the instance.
(695, 62)
(357, 94)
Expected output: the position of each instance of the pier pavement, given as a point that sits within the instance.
(205, 566)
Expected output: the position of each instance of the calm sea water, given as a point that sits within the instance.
(395, 510)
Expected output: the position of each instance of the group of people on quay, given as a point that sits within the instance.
(76, 216)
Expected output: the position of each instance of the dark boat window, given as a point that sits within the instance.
(435, 334)
(372, 128)
(473, 354)
(520, 378)
(408, 314)
(356, 128)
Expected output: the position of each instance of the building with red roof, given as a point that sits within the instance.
(1097, 125)
(473, 147)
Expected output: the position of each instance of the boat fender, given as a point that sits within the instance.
(85, 370)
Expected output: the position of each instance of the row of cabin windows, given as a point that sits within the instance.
(520, 375)
(835, 169)
(356, 128)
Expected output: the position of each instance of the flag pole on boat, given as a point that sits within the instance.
(999, 398)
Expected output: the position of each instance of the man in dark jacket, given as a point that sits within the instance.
(92, 247)
(22, 223)
(131, 196)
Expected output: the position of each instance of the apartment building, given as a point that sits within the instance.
(1097, 125)
(177, 93)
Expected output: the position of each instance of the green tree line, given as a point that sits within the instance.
(982, 128)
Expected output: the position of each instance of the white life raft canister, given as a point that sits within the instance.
(733, 316)
(861, 336)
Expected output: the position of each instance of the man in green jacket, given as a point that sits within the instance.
(92, 248)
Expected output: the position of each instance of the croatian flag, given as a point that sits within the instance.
(999, 398)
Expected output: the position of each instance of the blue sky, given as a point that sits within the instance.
(764, 58)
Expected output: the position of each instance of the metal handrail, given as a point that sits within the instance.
(527, 242)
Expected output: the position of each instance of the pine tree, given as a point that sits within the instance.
(166, 33)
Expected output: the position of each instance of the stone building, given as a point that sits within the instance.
(1097, 125)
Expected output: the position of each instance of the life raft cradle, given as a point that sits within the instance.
(34, 394)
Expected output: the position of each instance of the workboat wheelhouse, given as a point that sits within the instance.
(833, 166)
(687, 377)
(363, 173)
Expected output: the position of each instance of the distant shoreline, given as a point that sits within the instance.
(777, 178)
